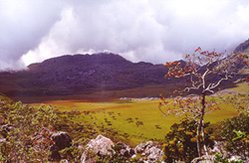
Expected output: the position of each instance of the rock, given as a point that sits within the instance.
(4, 129)
(204, 159)
(101, 146)
(219, 148)
(149, 151)
(124, 150)
(154, 154)
(3, 141)
(234, 159)
(143, 146)
(61, 140)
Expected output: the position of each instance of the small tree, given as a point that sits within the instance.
(205, 71)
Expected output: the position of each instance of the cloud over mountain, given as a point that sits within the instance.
(154, 31)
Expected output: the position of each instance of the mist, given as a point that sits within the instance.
(141, 30)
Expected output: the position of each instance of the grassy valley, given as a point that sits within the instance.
(136, 120)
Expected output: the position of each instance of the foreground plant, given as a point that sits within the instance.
(181, 141)
(206, 72)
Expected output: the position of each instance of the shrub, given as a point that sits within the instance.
(235, 133)
(20, 124)
(181, 142)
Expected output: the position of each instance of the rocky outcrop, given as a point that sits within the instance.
(103, 147)
(61, 140)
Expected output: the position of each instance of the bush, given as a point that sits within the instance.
(181, 142)
(20, 124)
(235, 133)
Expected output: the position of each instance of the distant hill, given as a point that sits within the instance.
(243, 47)
(71, 75)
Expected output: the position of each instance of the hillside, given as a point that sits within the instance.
(83, 75)
(243, 47)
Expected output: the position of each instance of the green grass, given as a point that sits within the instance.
(137, 121)
(125, 116)
(241, 88)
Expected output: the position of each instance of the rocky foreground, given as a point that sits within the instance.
(101, 147)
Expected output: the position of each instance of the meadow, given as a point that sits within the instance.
(134, 120)
(138, 120)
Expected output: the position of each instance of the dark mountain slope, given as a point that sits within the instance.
(77, 74)
(243, 47)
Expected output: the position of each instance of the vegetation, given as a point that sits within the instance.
(25, 132)
(181, 142)
(20, 123)
(205, 71)
(235, 133)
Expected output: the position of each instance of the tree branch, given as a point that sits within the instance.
(213, 86)
(203, 78)
(193, 87)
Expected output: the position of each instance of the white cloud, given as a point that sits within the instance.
(147, 30)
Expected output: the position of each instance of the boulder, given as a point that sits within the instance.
(61, 140)
(149, 151)
(101, 146)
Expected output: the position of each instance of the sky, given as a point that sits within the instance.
(139, 30)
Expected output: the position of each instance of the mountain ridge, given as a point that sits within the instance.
(82, 74)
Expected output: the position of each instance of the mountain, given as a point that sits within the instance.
(243, 47)
(82, 74)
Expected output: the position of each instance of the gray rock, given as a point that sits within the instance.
(101, 146)
(124, 150)
(154, 154)
(203, 159)
(149, 151)
(3, 140)
(143, 146)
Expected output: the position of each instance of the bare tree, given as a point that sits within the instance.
(206, 71)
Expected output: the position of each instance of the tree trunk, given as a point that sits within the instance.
(200, 129)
